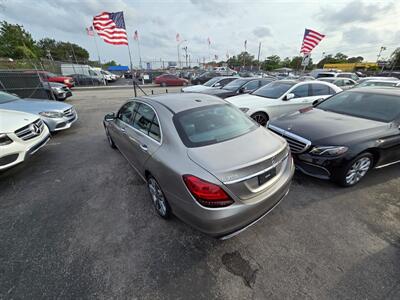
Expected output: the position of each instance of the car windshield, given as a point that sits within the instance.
(6, 97)
(373, 106)
(212, 81)
(273, 90)
(211, 124)
(376, 83)
(235, 85)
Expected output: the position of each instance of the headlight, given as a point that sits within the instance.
(329, 150)
(67, 80)
(57, 89)
(4, 139)
(244, 109)
(51, 114)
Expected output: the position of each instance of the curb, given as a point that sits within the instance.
(112, 87)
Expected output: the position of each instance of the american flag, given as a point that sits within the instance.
(90, 31)
(310, 40)
(209, 41)
(111, 27)
(178, 37)
(136, 35)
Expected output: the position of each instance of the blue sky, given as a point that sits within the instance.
(353, 27)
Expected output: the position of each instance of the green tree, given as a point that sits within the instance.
(357, 59)
(271, 63)
(16, 42)
(64, 51)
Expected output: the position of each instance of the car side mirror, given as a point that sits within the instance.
(110, 117)
(316, 102)
(242, 90)
(217, 84)
(288, 97)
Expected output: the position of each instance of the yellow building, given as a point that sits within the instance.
(351, 67)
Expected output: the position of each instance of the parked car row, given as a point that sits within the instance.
(220, 171)
(26, 125)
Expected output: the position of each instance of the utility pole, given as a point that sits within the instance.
(383, 48)
(258, 57)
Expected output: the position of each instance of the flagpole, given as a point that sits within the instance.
(133, 78)
(97, 48)
(140, 57)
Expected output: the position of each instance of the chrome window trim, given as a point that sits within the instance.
(142, 133)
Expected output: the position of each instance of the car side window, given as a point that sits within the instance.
(301, 91)
(348, 82)
(339, 82)
(252, 85)
(147, 122)
(320, 89)
(126, 112)
(154, 131)
(225, 81)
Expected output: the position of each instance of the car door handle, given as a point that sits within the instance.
(143, 147)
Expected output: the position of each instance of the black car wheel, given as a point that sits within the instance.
(110, 141)
(157, 196)
(355, 170)
(261, 118)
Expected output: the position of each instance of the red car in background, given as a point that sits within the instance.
(170, 80)
(50, 77)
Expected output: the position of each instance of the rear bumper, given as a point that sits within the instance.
(228, 221)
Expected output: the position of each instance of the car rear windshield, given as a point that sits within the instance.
(373, 106)
(235, 85)
(273, 90)
(6, 97)
(211, 124)
(212, 81)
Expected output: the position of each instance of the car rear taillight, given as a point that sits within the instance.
(206, 193)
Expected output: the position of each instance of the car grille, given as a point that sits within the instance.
(69, 112)
(296, 143)
(31, 130)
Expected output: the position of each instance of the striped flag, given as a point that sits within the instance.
(136, 35)
(111, 27)
(310, 40)
(90, 31)
(209, 41)
(178, 37)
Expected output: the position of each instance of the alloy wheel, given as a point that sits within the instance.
(157, 196)
(358, 170)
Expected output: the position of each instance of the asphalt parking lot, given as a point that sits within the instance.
(76, 222)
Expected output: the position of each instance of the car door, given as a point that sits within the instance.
(347, 84)
(251, 86)
(118, 128)
(301, 99)
(144, 135)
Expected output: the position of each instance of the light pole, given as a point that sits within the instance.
(186, 55)
(179, 57)
(383, 48)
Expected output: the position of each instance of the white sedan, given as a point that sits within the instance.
(21, 135)
(282, 97)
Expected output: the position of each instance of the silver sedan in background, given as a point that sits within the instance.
(56, 115)
(203, 160)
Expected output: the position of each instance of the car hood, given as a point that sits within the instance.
(242, 155)
(13, 120)
(196, 88)
(249, 100)
(329, 128)
(35, 106)
(218, 91)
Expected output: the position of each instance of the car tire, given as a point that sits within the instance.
(158, 198)
(109, 139)
(163, 84)
(355, 170)
(261, 118)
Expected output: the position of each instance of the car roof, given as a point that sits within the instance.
(177, 102)
(377, 90)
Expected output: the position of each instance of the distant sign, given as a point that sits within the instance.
(171, 64)
(306, 60)
(148, 66)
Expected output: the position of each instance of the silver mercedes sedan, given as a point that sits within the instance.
(203, 160)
